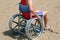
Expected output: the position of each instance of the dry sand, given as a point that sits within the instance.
(10, 7)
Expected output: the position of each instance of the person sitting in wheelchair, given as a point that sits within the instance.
(27, 10)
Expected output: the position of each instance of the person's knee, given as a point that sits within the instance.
(45, 13)
(37, 10)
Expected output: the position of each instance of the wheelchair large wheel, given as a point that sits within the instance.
(31, 26)
(16, 22)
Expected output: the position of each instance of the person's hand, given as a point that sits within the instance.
(39, 17)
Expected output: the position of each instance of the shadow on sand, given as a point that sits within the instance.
(15, 35)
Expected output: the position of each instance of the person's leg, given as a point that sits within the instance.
(45, 13)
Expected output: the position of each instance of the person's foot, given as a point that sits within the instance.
(47, 28)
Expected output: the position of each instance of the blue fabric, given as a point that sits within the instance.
(23, 8)
(40, 13)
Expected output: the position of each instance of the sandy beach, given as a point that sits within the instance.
(10, 7)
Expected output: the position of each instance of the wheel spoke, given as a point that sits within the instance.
(15, 26)
(31, 32)
(15, 22)
(31, 29)
(35, 22)
(32, 24)
(36, 26)
(21, 21)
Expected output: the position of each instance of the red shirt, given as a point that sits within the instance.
(25, 14)
(23, 2)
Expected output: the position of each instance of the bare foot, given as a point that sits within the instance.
(47, 28)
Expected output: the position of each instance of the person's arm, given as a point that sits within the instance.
(32, 9)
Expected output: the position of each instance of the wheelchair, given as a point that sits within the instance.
(18, 24)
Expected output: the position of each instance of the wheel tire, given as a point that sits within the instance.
(11, 20)
(28, 25)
